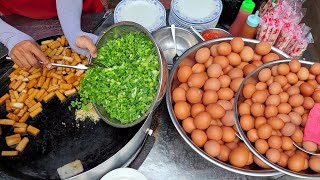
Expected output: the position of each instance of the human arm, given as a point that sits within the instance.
(69, 13)
(22, 48)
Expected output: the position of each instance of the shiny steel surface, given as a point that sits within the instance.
(190, 53)
(239, 99)
(304, 150)
(184, 40)
(116, 31)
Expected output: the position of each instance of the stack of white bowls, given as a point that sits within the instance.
(149, 13)
(201, 14)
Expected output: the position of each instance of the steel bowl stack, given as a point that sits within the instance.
(199, 14)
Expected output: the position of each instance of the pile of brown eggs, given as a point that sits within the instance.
(275, 112)
(203, 96)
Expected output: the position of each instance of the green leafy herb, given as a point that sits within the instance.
(126, 82)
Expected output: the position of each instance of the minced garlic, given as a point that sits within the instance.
(91, 114)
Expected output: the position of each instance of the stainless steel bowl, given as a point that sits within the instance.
(239, 99)
(113, 32)
(184, 39)
(173, 82)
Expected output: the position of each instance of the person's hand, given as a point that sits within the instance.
(86, 43)
(27, 54)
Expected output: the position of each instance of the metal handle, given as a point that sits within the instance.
(173, 32)
(197, 33)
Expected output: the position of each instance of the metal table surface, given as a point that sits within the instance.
(170, 157)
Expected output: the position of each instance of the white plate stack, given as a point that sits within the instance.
(201, 14)
(149, 13)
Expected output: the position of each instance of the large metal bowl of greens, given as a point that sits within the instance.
(129, 75)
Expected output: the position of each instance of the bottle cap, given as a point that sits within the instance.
(253, 20)
(248, 5)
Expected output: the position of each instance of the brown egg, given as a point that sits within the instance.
(273, 155)
(187, 61)
(283, 69)
(297, 136)
(259, 121)
(202, 55)
(259, 96)
(256, 57)
(247, 69)
(232, 145)
(261, 86)
(228, 119)
(261, 145)
(284, 97)
(235, 84)
(184, 86)
(306, 89)
(273, 100)
(276, 123)
(311, 77)
(237, 44)
(188, 125)
(209, 96)
(296, 163)
(299, 110)
(287, 143)
(227, 69)
(284, 108)
(283, 161)
(303, 154)
(264, 75)
(252, 135)
(198, 68)
(313, 82)
(247, 54)
(213, 50)
(256, 63)
(262, 48)
(225, 81)
(215, 110)
(260, 163)
(284, 117)
(275, 88)
(296, 100)
(270, 81)
(199, 137)
(225, 93)
(248, 90)
(241, 65)
(235, 73)
(288, 129)
(224, 153)
(228, 134)
(222, 61)
(316, 96)
(296, 119)
(304, 120)
(270, 57)
(249, 101)
(202, 120)
(289, 153)
(224, 49)
(196, 109)
(214, 71)
(270, 111)
(264, 131)
(247, 122)
(315, 69)
(281, 80)
(303, 74)
(179, 94)
(194, 95)
(308, 103)
(212, 84)
(212, 148)
(275, 142)
(293, 90)
(294, 66)
(214, 133)
(244, 109)
(314, 163)
(274, 71)
(209, 62)
(257, 109)
(234, 59)
(182, 110)
(225, 104)
(310, 146)
(239, 156)
(292, 78)
(184, 73)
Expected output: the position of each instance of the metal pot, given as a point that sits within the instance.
(239, 99)
(173, 82)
